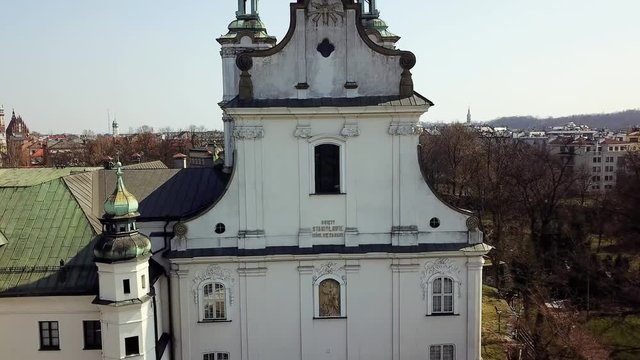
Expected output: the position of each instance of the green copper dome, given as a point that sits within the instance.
(120, 202)
(379, 27)
(252, 27)
(121, 247)
(120, 239)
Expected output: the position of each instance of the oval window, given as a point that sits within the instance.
(434, 222)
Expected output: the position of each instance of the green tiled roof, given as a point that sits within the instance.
(34, 176)
(44, 227)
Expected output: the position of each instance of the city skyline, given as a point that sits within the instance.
(157, 63)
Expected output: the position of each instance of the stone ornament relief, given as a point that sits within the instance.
(248, 132)
(403, 129)
(214, 273)
(326, 11)
(302, 132)
(180, 230)
(329, 268)
(441, 266)
(350, 130)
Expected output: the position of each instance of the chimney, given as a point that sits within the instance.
(107, 162)
(179, 161)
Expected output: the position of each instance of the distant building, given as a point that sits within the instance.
(601, 159)
(3, 137)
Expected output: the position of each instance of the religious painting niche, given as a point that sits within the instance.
(329, 298)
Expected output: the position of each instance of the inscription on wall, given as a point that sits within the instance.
(327, 229)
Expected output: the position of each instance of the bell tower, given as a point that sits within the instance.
(122, 256)
(246, 33)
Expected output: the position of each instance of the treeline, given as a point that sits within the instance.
(622, 120)
(550, 234)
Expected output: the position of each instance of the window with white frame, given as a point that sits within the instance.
(442, 295)
(213, 301)
(442, 352)
(216, 356)
(327, 168)
(329, 297)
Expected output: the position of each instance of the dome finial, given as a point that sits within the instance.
(121, 202)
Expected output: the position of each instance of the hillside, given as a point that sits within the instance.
(613, 121)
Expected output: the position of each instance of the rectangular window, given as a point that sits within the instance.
(49, 335)
(143, 281)
(92, 334)
(131, 346)
(441, 352)
(327, 169)
(126, 286)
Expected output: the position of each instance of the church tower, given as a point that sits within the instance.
(3, 139)
(122, 256)
(246, 33)
(469, 115)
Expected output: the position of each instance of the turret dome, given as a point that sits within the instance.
(121, 202)
(120, 239)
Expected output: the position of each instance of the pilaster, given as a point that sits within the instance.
(306, 311)
(474, 307)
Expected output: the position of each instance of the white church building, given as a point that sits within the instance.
(324, 241)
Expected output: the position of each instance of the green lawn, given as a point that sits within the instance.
(621, 334)
(494, 343)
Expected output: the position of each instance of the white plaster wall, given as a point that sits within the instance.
(275, 77)
(271, 186)
(19, 333)
(121, 322)
(272, 313)
(111, 276)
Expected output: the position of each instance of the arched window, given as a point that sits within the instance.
(442, 296)
(214, 301)
(327, 169)
(329, 298)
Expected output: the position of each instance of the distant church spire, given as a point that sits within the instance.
(469, 115)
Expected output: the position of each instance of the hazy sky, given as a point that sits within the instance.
(64, 63)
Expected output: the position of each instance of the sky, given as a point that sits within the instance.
(66, 65)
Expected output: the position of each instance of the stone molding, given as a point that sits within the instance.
(329, 268)
(404, 129)
(248, 132)
(326, 11)
(302, 132)
(441, 266)
(350, 130)
(214, 273)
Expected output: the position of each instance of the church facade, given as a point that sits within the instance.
(319, 238)
(327, 243)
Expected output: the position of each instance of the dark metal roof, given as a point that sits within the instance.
(163, 194)
(395, 100)
(189, 192)
(317, 249)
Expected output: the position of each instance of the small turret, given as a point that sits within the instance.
(375, 27)
(122, 256)
(120, 239)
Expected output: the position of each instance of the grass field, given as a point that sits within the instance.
(621, 334)
(494, 343)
